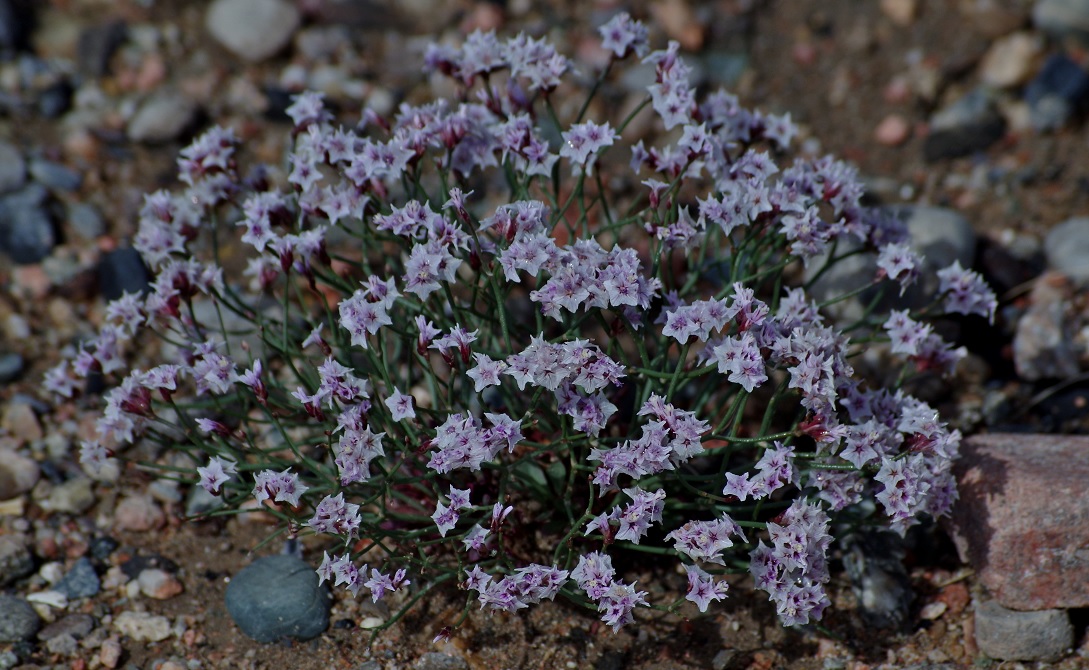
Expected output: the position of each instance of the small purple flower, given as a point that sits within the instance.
(445, 518)
(582, 142)
(486, 372)
(401, 405)
(219, 471)
(279, 486)
(702, 587)
(623, 35)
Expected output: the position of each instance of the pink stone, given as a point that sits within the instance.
(1023, 518)
(892, 131)
(138, 513)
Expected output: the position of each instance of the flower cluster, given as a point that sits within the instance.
(501, 389)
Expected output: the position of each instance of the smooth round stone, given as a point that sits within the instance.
(18, 473)
(276, 597)
(18, 620)
(162, 117)
(28, 232)
(55, 175)
(1067, 248)
(252, 29)
(16, 560)
(11, 366)
(122, 270)
(1062, 17)
(12, 168)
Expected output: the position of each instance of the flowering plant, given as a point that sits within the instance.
(479, 351)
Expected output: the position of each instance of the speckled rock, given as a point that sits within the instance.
(81, 581)
(138, 513)
(142, 626)
(18, 473)
(16, 561)
(252, 29)
(1009, 635)
(1022, 521)
(18, 620)
(276, 597)
(162, 117)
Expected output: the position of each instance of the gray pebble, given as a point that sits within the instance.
(55, 175)
(252, 29)
(74, 496)
(276, 597)
(438, 661)
(16, 560)
(81, 581)
(18, 620)
(874, 563)
(12, 168)
(26, 231)
(969, 125)
(1010, 635)
(8, 660)
(1067, 248)
(122, 270)
(163, 117)
(1062, 17)
(75, 625)
(11, 366)
(96, 47)
(86, 221)
(1057, 91)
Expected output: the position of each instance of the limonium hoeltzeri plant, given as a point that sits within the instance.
(492, 346)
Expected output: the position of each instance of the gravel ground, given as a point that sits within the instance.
(97, 97)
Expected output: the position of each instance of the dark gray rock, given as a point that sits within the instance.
(969, 125)
(122, 270)
(96, 47)
(874, 563)
(1010, 635)
(11, 366)
(55, 99)
(102, 546)
(77, 626)
(12, 168)
(86, 221)
(27, 233)
(438, 661)
(1057, 92)
(16, 560)
(276, 597)
(55, 175)
(81, 581)
(16, 26)
(18, 620)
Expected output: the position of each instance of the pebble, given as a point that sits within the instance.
(55, 99)
(1043, 342)
(1010, 635)
(1023, 518)
(26, 230)
(142, 626)
(54, 175)
(1011, 60)
(1058, 90)
(874, 563)
(162, 117)
(51, 598)
(109, 654)
(138, 513)
(18, 473)
(159, 584)
(1062, 17)
(96, 46)
(165, 491)
(16, 560)
(74, 496)
(252, 29)
(11, 366)
(21, 422)
(86, 221)
(122, 270)
(76, 625)
(900, 12)
(435, 660)
(1067, 248)
(81, 581)
(103, 546)
(276, 597)
(892, 131)
(18, 620)
(12, 168)
(968, 125)
(62, 645)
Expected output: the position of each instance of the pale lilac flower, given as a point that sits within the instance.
(476, 538)
(702, 587)
(401, 405)
(445, 518)
(219, 471)
(486, 372)
(623, 35)
(336, 517)
(93, 456)
(899, 263)
(582, 142)
(967, 292)
(278, 486)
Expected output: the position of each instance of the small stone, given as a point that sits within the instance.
(109, 654)
(76, 625)
(55, 99)
(252, 29)
(892, 131)
(163, 117)
(55, 175)
(434, 660)
(18, 473)
(81, 581)
(1011, 60)
(1067, 248)
(62, 645)
(16, 25)
(1043, 343)
(900, 12)
(276, 597)
(16, 561)
(1062, 17)
(103, 546)
(165, 491)
(969, 125)
(138, 513)
(18, 620)
(54, 599)
(86, 221)
(11, 366)
(122, 270)
(1022, 520)
(12, 168)
(934, 610)
(74, 496)
(26, 230)
(1057, 91)
(142, 626)
(21, 422)
(96, 47)
(874, 563)
(159, 584)
(1009, 635)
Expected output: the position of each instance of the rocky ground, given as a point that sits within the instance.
(975, 107)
